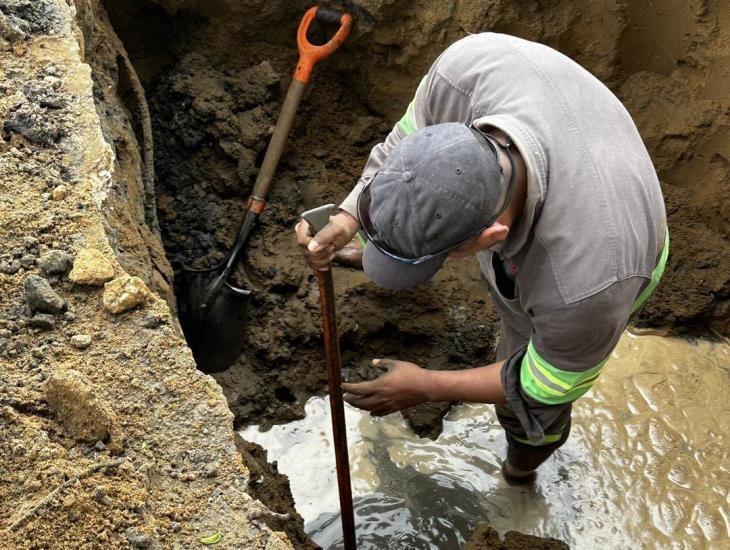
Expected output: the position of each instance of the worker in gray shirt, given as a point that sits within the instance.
(512, 152)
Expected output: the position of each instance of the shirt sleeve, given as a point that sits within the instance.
(567, 352)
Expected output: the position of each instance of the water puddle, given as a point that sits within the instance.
(646, 464)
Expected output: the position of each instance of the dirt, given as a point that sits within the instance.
(109, 436)
(486, 538)
(79, 173)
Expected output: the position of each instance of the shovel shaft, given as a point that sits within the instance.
(334, 367)
(276, 145)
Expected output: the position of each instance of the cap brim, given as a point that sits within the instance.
(390, 273)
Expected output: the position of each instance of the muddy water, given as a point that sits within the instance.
(646, 465)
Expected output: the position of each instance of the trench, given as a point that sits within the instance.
(214, 76)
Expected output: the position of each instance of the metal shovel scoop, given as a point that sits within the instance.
(212, 309)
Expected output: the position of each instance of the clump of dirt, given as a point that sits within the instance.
(268, 485)
(486, 538)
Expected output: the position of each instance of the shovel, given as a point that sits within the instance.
(212, 309)
(317, 219)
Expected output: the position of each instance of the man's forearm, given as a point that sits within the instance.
(478, 385)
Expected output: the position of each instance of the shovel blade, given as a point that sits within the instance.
(213, 322)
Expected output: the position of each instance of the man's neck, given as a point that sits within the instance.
(517, 204)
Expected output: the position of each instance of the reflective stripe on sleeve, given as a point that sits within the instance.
(550, 385)
(656, 275)
(408, 123)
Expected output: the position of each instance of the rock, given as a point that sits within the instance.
(80, 341)
(27, 261)
(10, 268)
(125, 293)
(40, 296)
(74, 403)
(137, 538)
(91, 267)
(59, 193)
(9, 30)
(151, 321)
(42, 321)
(55, 262)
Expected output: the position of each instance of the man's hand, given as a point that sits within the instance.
(320, 249)
(401, 387)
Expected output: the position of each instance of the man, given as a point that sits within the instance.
(512, 151)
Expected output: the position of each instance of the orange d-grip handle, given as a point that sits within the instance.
(309, 54)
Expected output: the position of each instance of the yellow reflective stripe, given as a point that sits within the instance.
(656, 275)
(544, 387)
(546, 440)
(543, 366)
(405, 122)
(550, 385)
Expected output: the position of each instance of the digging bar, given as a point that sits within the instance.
(317, 219)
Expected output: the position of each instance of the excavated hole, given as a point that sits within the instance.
(212, 111)
(214, 85)
(212, 114)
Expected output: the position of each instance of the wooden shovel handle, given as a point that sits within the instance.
(309, 56)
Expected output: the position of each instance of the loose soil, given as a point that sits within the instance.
(214, 74)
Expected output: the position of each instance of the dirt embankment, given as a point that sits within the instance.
(109, 437)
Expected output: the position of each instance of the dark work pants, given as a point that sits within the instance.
(523, 455)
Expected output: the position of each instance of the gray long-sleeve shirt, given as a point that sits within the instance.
(591, 242)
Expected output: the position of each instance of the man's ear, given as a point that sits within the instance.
(492, 235)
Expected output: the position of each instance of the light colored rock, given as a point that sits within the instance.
(74, 403)
(80, 341)
(59, 193)
(125, 293)
(91, 267)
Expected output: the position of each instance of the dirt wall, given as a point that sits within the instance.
(109, 436)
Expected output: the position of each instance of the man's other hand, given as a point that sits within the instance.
(403, 386)
(320, 249)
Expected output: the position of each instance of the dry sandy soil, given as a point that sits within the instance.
(109, 437)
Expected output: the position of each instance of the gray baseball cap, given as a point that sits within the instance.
(439, 187)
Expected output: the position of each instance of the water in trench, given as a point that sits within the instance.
(646, 464)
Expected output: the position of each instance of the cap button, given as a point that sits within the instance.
(407, 176)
